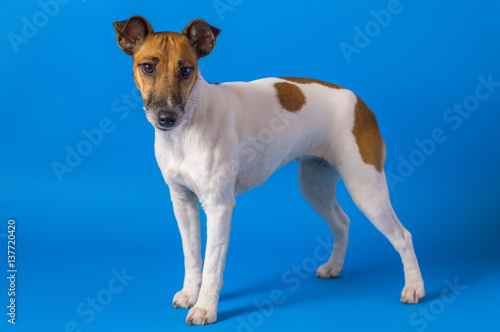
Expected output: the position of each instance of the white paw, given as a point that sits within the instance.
(328, 270)
(412, 292)
(185, 298)
(199, 315)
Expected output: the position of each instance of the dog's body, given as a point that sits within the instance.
(216, 141)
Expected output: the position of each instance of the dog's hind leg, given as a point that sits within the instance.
(369, 191)
(317, 181)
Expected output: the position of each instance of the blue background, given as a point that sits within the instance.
(113, 210)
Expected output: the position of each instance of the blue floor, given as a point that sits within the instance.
(74, 254)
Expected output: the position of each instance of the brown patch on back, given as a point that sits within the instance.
(311, 80)
(370, 143)
(290, 96)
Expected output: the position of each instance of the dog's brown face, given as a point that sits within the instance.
(165, 65)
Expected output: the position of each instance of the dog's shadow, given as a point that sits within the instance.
(257, 288)
(261, 291)
(263, 286)
(353, 280)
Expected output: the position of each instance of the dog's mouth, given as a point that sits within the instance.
(163, 128)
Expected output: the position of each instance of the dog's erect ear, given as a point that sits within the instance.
(131, 33)
(202, 36)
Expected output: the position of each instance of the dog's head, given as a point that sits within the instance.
(165, 65)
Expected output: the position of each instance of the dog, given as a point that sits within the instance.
(216, 141)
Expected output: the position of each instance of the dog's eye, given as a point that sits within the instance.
(186, 71)
(148, 68)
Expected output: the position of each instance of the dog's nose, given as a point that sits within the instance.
(167, 119)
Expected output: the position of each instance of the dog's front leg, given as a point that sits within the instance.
(187, 213)
(218, 230)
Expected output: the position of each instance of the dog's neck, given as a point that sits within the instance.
(198, 99)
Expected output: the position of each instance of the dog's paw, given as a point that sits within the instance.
(328, 270)
(199, 315)
(412, 293)
(185, 298)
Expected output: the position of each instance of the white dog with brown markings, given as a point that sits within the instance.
(216, 141)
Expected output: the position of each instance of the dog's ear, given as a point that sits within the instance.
(202, 36)
(131, 33)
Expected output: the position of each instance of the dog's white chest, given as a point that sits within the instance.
(176, 170)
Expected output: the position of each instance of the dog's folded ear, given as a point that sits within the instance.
(202, 36)
(131, 33)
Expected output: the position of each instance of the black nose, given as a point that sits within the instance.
(167, 119)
